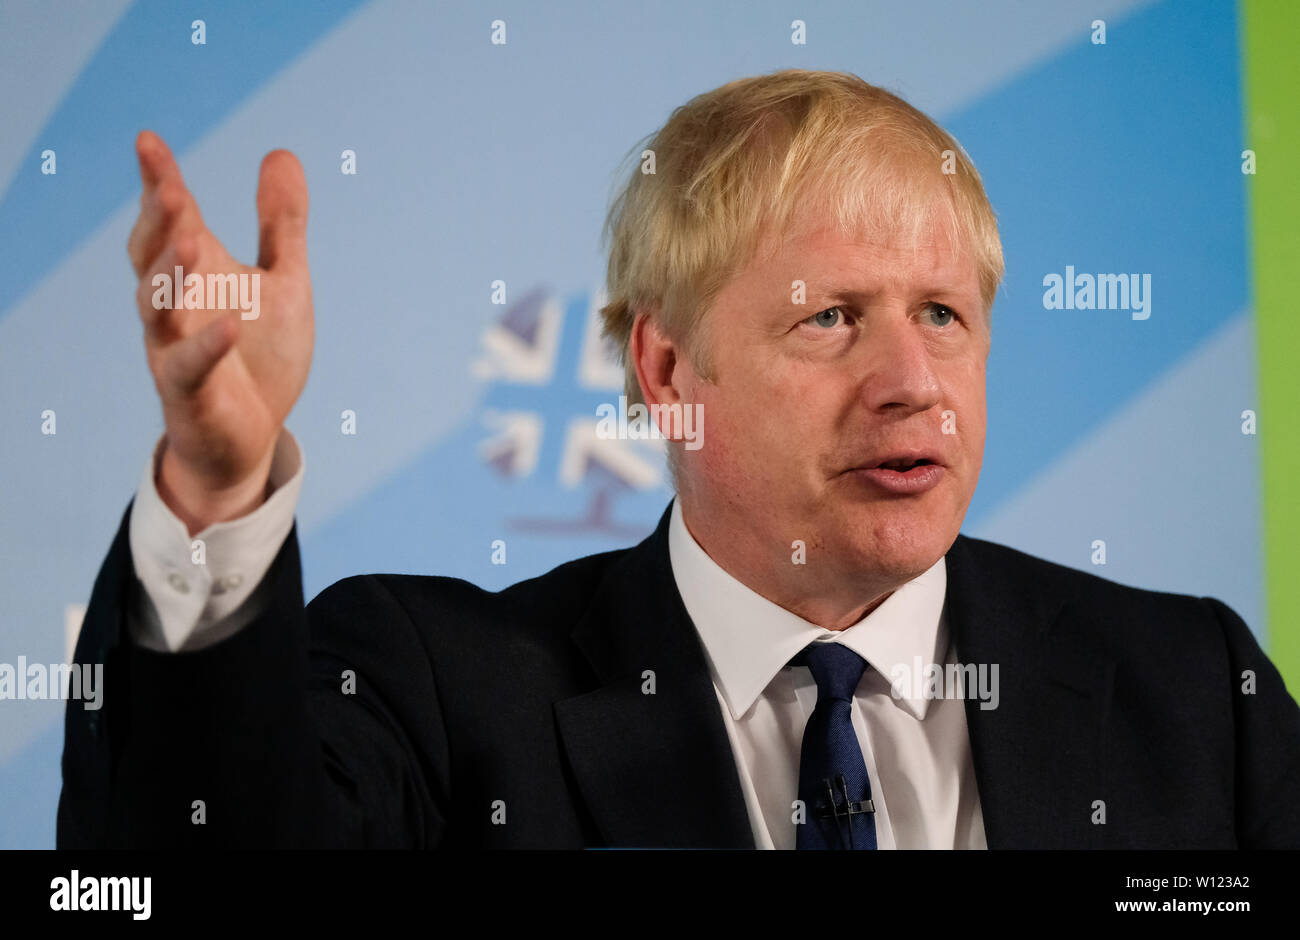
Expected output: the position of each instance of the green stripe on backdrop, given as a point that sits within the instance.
(1270, 34)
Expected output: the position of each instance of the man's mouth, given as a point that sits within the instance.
(906, 474)
(903, 464)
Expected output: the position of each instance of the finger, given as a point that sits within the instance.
(166, 205)
(160, 210)
(281, 211)
(162, 324)
(156, 160)
(189, 362)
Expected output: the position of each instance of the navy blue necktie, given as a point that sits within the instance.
(833, 782)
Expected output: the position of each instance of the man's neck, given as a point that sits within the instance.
(832, 606)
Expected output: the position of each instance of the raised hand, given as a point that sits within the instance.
(226, 383)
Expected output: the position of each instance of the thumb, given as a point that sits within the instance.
(281, 211)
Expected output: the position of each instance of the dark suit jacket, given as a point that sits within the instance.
(533, 697)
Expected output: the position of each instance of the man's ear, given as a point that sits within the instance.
(656, 357)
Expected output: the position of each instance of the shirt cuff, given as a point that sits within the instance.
(194, 587)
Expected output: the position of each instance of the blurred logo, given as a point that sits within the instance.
(550, 372)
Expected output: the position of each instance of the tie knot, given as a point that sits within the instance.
(835, 668)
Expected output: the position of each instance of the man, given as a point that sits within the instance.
(805, 653)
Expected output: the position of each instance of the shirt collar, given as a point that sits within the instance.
(748, 639)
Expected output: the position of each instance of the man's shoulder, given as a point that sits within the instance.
(558, 597)
(1119, 613)
(1034, 573)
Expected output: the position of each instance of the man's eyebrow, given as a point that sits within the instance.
(955, 292)
(817, 297)
(836, 292)
(842, 285)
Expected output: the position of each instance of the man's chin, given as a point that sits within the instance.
(894, 556)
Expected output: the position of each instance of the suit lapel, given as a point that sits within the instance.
(655, 769)
(1037, 755)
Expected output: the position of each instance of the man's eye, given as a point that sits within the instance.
(827, 318)
(942, 315)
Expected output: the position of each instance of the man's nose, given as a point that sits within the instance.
(897, 365)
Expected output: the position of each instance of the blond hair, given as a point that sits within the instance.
(739, 162)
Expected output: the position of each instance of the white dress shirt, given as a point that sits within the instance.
(917, 750)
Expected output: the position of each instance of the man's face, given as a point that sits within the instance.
(884, 360)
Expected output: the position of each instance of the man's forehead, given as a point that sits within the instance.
(827, 252)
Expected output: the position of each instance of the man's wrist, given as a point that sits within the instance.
(198, 507)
